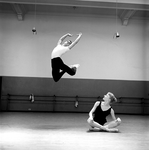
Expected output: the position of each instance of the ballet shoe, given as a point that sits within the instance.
(75, 65)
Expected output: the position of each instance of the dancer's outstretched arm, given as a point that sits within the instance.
(76, 41)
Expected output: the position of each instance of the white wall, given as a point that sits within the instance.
(146, 50)
(100, 56)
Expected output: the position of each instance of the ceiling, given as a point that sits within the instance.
(123, 9)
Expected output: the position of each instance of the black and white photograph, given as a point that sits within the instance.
(74, 74)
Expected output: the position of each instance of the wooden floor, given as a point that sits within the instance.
(69, 131)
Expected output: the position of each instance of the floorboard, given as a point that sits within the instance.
(69, 131)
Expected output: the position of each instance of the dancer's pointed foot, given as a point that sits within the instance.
(75, 66)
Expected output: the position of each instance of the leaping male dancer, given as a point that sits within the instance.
(58, 66)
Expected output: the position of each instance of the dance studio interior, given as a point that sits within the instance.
(37, 113)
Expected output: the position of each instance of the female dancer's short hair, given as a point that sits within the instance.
(112, 97)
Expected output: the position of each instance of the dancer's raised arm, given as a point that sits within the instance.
(76, 41)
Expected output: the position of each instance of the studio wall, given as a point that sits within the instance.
(107, 64)
(62, 96)
(100, 56)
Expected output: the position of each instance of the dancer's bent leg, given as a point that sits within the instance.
(113, 124)
(57, 74)
(92, 123)
(57, 65)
